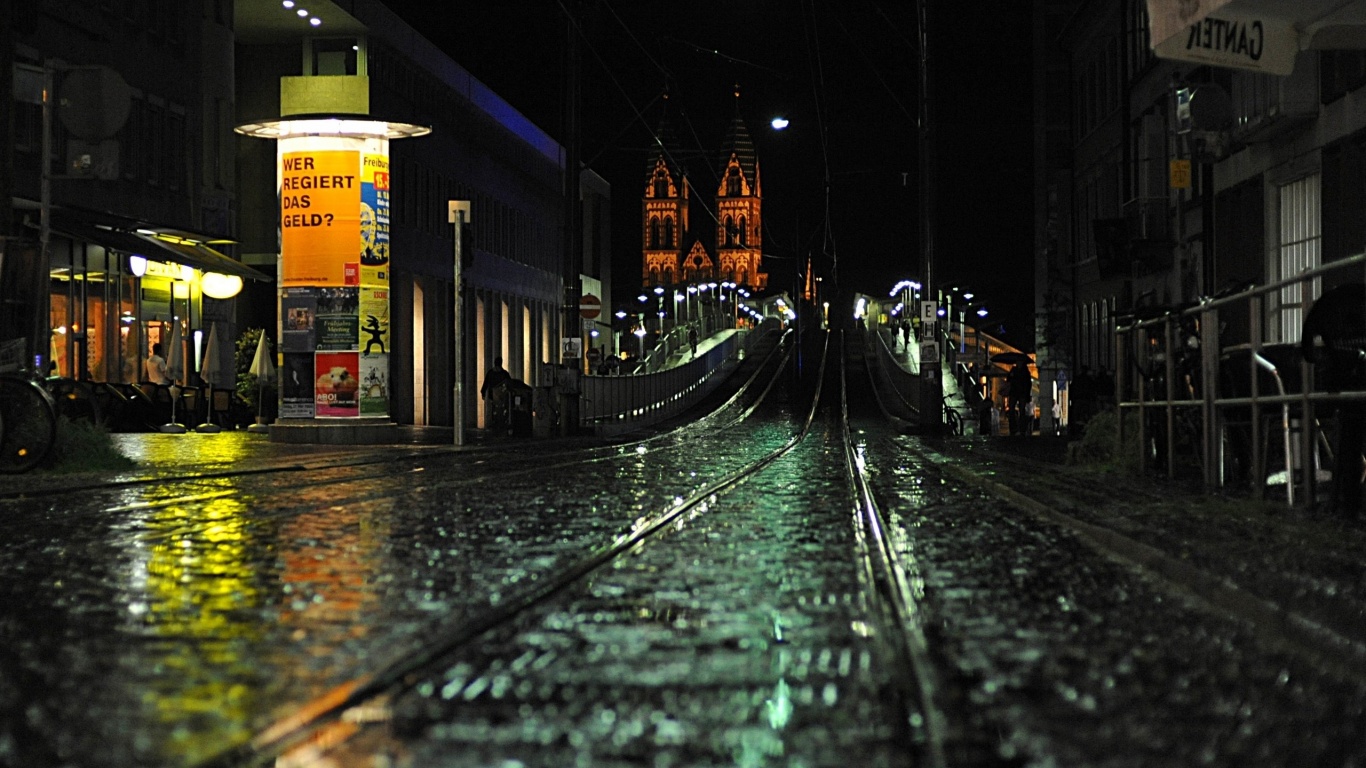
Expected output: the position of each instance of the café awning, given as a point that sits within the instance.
(178, 248)
(1258, 35)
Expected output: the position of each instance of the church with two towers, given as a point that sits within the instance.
(719, 242)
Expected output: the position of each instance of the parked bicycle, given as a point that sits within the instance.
(28, 423)
(953, 421)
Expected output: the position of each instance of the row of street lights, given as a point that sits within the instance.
(690, 305)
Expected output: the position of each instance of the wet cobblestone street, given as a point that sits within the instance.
(636, 604)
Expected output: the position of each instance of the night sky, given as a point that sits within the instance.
(844, 72)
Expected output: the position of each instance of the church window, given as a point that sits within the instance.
(661, 185)
(654, 231)
(729, 225)
(744, 232)
(668, 232)
(733, 182)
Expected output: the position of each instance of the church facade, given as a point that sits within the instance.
(722, 240)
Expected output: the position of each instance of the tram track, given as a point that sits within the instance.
(336, 719)
(1174, 567)
(469, 676)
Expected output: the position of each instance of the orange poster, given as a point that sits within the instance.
(320, 216)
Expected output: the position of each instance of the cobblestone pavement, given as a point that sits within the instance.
(160, 621)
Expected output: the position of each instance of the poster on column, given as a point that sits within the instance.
(298, 308)
(374, 221)
(320, 216)
(374, 321)
(337, 386)
(337, 321)
(296, 386)
(374, 385)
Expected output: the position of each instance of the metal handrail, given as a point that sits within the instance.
(1212, 363)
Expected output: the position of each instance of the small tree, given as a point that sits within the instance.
(248, 387)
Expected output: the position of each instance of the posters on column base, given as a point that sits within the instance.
(337, 386)
(374, 389)
(296, 386)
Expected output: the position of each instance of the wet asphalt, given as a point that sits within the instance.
(167, 614)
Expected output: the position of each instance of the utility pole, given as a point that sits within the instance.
(573, 217)
(931, 389)
(458, 214)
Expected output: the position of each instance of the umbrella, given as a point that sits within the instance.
(261, 365)
(174, 365)
(1012, 358)
(264, 370)
(210, 370)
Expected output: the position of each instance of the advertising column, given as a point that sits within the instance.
(334, 277)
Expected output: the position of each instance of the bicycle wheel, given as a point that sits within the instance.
(30, 420)
(953, 421)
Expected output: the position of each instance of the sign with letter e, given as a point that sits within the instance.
(929, 311)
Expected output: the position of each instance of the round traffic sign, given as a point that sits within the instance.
(590, 306)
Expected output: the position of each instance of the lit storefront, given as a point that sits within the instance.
(114, 293)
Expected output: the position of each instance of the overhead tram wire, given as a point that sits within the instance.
(639, 113)
(818, 96)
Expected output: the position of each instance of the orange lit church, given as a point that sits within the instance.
(719, 242)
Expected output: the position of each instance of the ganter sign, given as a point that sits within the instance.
(1260, 44)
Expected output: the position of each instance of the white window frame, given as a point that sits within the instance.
(1299, 246)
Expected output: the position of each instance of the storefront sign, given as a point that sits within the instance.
(1257, 43)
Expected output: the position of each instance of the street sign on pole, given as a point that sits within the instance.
(590, 306)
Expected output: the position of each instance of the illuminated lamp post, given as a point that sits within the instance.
(333, 185)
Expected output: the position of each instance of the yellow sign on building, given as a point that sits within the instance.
(1181, 174)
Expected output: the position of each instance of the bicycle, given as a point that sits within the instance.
(953, 422)
(28, 423)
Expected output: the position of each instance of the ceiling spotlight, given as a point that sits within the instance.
(302, 12)
(315, 21)
(288, 3)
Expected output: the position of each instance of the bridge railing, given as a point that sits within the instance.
(615, 404)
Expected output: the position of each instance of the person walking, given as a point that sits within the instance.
(692, 340)
(1019, 389)
(494, 392)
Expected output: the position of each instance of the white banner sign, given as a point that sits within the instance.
(1167, 18)
(1257, 43)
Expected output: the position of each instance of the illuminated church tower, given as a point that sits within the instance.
(664, 209)
(726, 247)
(739, 209)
